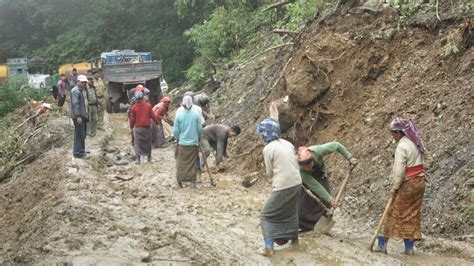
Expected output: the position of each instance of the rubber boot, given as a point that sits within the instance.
(408, 247)
(268, 250)
(381, 244)
(149, 158)
(193, 184)
(137, 160)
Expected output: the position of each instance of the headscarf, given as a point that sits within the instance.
(410, 131)
(269, 130)
(138, 96)
(304, 155)
(165, 100)
(187, 102)
(139, 88)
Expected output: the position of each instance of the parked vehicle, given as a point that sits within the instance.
(3, 73)
(17, 66)
(125, 69)
(82, 67)
(39, 81)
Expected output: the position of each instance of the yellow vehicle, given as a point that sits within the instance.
(3, 73)
(82, 67)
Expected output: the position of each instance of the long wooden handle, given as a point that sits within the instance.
(316, 199)
(343, 185)
(387, 208)
(207, 166)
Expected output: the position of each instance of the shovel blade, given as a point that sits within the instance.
(324, 225)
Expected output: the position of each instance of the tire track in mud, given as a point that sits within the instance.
(149, 219)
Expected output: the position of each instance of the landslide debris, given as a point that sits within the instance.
(347, 76)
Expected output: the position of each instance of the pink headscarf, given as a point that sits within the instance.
(410, 131)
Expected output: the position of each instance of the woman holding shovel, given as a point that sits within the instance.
(409, 182)
(314, 174)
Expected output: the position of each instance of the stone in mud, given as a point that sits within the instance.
(145, 256)
(306, 83)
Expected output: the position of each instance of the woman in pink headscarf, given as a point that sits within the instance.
(404, 218)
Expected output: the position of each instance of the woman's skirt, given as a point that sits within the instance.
(404, 218)
(279, 219)
(142, 141)
(309, 211)
(186, 163)
(158, 135)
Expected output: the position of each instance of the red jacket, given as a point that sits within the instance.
(160, 111)
(141, 115)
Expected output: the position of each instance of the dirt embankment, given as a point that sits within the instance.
(348, 76)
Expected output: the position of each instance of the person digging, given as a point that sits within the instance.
(314, 174)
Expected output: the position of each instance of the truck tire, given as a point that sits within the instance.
(116, 107)
(108, 105)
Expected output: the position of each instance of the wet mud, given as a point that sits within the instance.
(97, 212)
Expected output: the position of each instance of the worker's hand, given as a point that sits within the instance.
(334, 204)
(79, 120)
(393, 192)
(354, 161)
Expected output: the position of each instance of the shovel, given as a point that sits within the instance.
(326, 222)
(207, 166)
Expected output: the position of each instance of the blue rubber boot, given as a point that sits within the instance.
(382, 244)
(409, 246)
(268, 251)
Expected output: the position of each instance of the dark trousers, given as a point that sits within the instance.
(54, 91)
(79, 149)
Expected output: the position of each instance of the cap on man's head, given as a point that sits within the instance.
(189, 93)
(95, 72)
(82, 78)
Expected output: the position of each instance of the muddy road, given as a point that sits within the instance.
(111, 214)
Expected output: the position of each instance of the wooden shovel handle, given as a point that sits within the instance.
(316, 199)
(207, 166)
(343, 185)
(377, 230)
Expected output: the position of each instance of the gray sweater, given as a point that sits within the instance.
(281, 164)
(217, 137)
(79, 103)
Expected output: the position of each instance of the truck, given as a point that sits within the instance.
(82, 67)
(17, 67)
(123, 70)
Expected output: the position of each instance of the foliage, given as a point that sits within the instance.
(450, 46)
(468, 212)
(225, 33)
(297, 13)
(63, 31)
(14, 91)
(197, 11)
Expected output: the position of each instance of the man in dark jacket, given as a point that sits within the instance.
(79, 115)
(215, 138)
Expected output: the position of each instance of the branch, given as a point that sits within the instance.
(282, 73)
(437, 10)
(279, 4)
(267, 50)
(211, 64)
(283, 31)
(249, 151)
